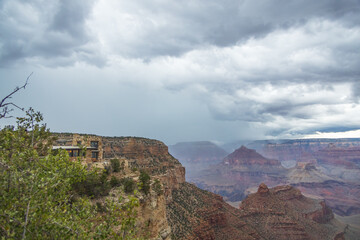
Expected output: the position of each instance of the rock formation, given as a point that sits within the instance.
(245, 157)
(148, 154)
(278, 213)
(240, 170)
(244, 169)
(284, 213)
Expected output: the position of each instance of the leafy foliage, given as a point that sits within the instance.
(37, 188)
(144, 182)
(94, 185)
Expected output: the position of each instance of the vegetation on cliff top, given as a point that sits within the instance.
(44, 195)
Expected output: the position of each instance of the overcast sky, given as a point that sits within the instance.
(218, 70)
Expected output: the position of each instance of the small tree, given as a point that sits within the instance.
(115, 165)
(144, 182)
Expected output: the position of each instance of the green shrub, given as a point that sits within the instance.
(129, 185)
(114, 182)
(94, 185)
(144, 182)
(115, 165)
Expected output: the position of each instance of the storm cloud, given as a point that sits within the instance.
(46, 33)
(271, 68)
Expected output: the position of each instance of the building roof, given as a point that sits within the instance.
(65, 147)
(72, 148)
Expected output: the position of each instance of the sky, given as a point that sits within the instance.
(219, 70)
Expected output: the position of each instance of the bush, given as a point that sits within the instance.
(94, 185)
(129, 185)
(157, 187)
(115, 165)
(144, 182)
(114, 182)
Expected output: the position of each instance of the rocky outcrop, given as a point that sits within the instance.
(322, 214)
(278, 213)
(150, 155)
(199, 214)
(240, 170)
(284, 213)
(248, 157)
(306, 173)
(343, 198)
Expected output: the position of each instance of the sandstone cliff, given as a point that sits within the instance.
(137, 154)
(150, 155)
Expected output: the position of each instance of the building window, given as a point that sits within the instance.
(70, 153)
(94, 144)
(94, 155)
(74, 153)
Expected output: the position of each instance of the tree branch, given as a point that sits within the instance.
(27, 215)
(5, 105)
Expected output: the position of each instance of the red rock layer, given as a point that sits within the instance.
(244, 156)
(199, 214)
(284, 213)
(278, 213)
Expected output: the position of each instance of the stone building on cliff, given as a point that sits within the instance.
(88, 146)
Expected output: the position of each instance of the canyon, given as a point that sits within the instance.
(184, 211)
(326, 169)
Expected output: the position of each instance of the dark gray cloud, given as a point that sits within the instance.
(151, 29)
(176, 27)
(275, 67)
(42, 30)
